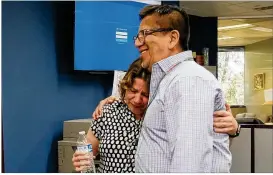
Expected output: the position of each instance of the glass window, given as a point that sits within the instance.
(231, 74)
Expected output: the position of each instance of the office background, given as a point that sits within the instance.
(40, 88)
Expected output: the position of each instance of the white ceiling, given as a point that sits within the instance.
(232, 13)
(227, 8)
(247, 35)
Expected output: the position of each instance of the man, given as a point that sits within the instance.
(177, 133)
(223, 120)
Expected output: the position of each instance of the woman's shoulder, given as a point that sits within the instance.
(109, 112)
(113, 107)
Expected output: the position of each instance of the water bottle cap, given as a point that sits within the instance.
(82, 132)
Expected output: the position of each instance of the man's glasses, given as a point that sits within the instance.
(143, 33)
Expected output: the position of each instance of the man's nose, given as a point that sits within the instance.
(138, 43)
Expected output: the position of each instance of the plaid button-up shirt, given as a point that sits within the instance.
(177, 133)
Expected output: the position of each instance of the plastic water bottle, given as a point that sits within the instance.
(85, 147)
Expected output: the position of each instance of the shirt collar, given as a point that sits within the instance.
(168, 63)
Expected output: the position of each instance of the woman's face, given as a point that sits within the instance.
(137, 97)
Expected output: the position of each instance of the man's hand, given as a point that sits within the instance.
(228, 109)
(224, 122)
(98, 110)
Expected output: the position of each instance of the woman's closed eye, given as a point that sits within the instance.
(133, 90)
(145, 95)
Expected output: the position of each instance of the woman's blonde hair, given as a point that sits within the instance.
(135, 71)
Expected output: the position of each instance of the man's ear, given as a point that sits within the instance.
(174, 39)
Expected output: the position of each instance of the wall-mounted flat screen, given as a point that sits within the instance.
(103, 37)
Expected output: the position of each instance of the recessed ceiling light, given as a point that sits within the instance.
(225, 37)
(262, 29)
(239, 26)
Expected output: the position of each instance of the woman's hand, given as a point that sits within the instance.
(98, 110)
(80, 160)
(224, 122)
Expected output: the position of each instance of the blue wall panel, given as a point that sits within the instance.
(36, 98)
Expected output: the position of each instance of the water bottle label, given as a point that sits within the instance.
(85, 148)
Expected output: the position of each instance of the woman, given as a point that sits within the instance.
(115, 133)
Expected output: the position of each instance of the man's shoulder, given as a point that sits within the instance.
(192, 69)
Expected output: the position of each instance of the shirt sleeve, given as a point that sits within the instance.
(98, 126)
(221, 152)
(189, 124)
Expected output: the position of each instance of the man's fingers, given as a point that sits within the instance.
(98, 111)
(218, 119)
(221, 130)
(94, 115)
(111, 99)
(224, 127)
(222, 124)
(222, 119)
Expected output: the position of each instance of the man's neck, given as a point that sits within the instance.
(175, 51)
